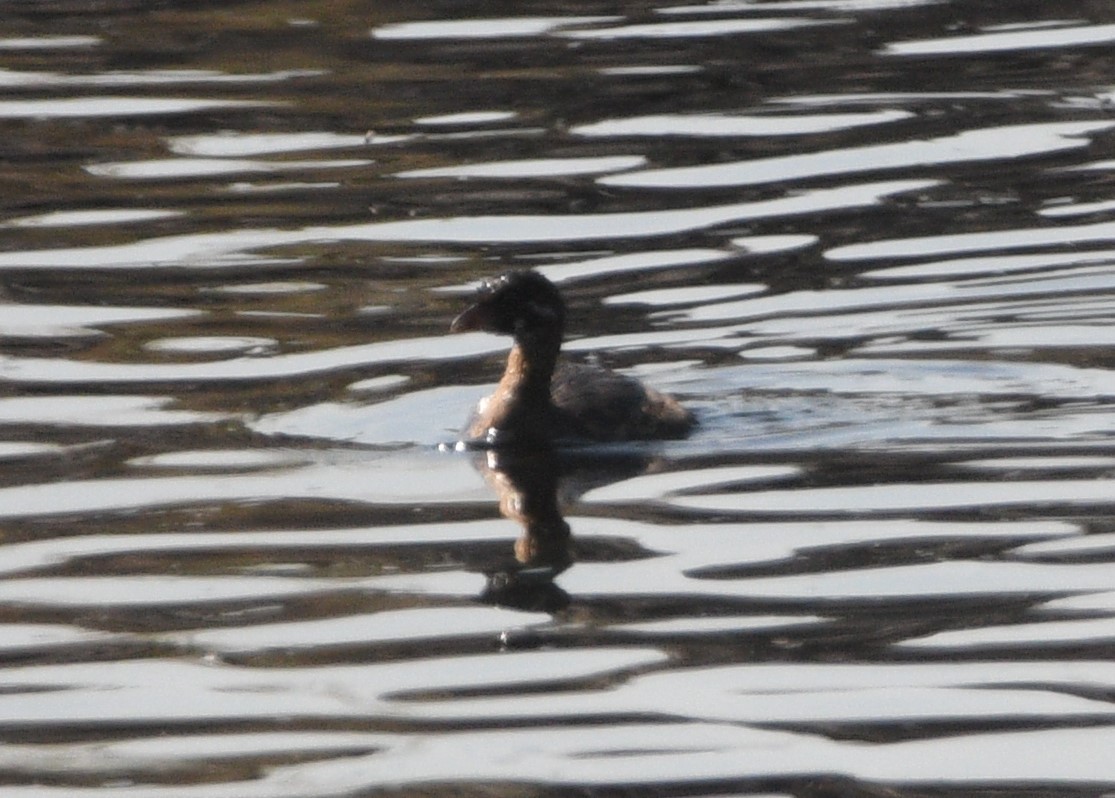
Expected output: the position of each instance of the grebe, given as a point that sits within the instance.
(541, 400)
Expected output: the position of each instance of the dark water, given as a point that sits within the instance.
(870, 242)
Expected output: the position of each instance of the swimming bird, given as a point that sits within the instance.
(542, 399)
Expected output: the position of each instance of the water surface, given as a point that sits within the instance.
(869, 242)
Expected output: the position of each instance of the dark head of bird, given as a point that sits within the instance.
(522, 304)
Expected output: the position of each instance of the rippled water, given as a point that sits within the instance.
(869, 242)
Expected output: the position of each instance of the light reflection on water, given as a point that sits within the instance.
(235, 561)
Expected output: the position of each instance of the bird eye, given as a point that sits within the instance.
(540, 311)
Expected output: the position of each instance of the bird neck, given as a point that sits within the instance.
(530, 367)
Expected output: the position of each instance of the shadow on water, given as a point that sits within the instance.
(868, 242)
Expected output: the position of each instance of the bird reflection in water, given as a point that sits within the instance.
(533, 486)
(526, 483)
